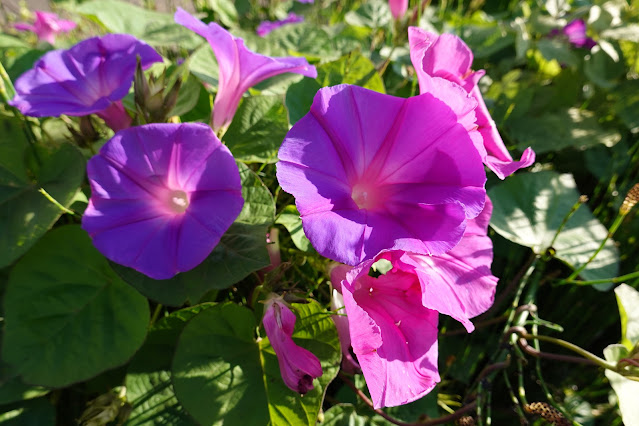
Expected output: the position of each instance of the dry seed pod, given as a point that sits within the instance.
(631, 199)
(465, 421)
(547, 412)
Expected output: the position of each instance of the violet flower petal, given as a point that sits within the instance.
(266, 27)
(298, 366)
(85, 79)
(398, 8)
(370, 173)
(239, 68)
(576, 32)
(447, 56)
(162, 196)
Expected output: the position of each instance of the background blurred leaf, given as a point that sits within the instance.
(36, 412)
(94, 321)
(291, 220)
(628, 301)
(528, 209)
(372, 14)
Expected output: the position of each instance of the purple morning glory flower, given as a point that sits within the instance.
(90, 77)
(372, 172)
(298, 366)
(266, 27)
(162, 195)
(393, 318)
(576, 32)
(239, 68)
(46, 26)
(447, 56)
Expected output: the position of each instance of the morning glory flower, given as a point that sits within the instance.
(46, 26)
(393, 318)
(373, 172)
(576, 32)
(298, 366)
(398, 8)
(90, 77)
(162, 195)
(448, 57)
(239, 68)
(266, 27)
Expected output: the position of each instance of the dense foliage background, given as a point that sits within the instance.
(84, 339)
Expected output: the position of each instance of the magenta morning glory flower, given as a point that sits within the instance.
(239, 68)
(576, 32)
(448, 57)
(297, 365)
(372, 172)
(162, 195)
(398, 8)
(266, 27)
(46, 26)
(393, 318)
(90, 77)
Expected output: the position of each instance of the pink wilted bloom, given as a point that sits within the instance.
(576, 32)
(393, 318)
(239, 68)
(398, 8)
(91, 77)
(162, 195)
(297, 365)
(338, 274)
(448, 57)
(46, 26)
(266, 27)
(372, 172)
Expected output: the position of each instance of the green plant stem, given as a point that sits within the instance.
(156, 314)
(566, 218)
(614, 280)
(55, 202)
(611, 232)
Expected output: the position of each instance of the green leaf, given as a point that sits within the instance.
(425, 407)
(558, 50)
(372, 14)
(157, 29)
(487, 39)
(221, 374)
(628, 301)
(7, 41)
(557, 130)
(602, 69)
(257, 130)
(203, 65)
(626, 389)
(628, 32)
(225, 11)
(291, 220)
(626, 104)
(528, 209)
(188, 97)
(36, 412)
(68, 317)
(12, 389)
(352, 68)
(242, 250)
(346, 415)
(25, 213)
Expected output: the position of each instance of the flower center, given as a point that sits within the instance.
(178, 201)
(364, 196)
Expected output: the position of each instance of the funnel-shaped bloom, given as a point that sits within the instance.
(46, 26)
(162, 195)
(239, 68)
(448, 57)
(393, 318)
(266, 27)
(372, 172)
(91, 77)
(297, 365)
(576, 33)
(398, 8)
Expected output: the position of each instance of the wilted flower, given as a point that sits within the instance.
(46, 26)
(162, 195)
(398, 8)
(393, 318)
(372, 172)
(91, 77)
(576, 32)
(239, 68)
(341, 324)
(448, 57)
(266, 27)
(297, 365)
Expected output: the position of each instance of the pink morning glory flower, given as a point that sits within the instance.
(266, 27)
(162, 195)
(239, 68)
(372, 172)
(393, 318)
(398, 8)
(297, 365)
(448, 57)
(576, 32)
(90, 77)
(46, 26)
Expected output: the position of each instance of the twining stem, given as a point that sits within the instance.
(55, 202)
(614, 280)
(156, 314)
(572, 211)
